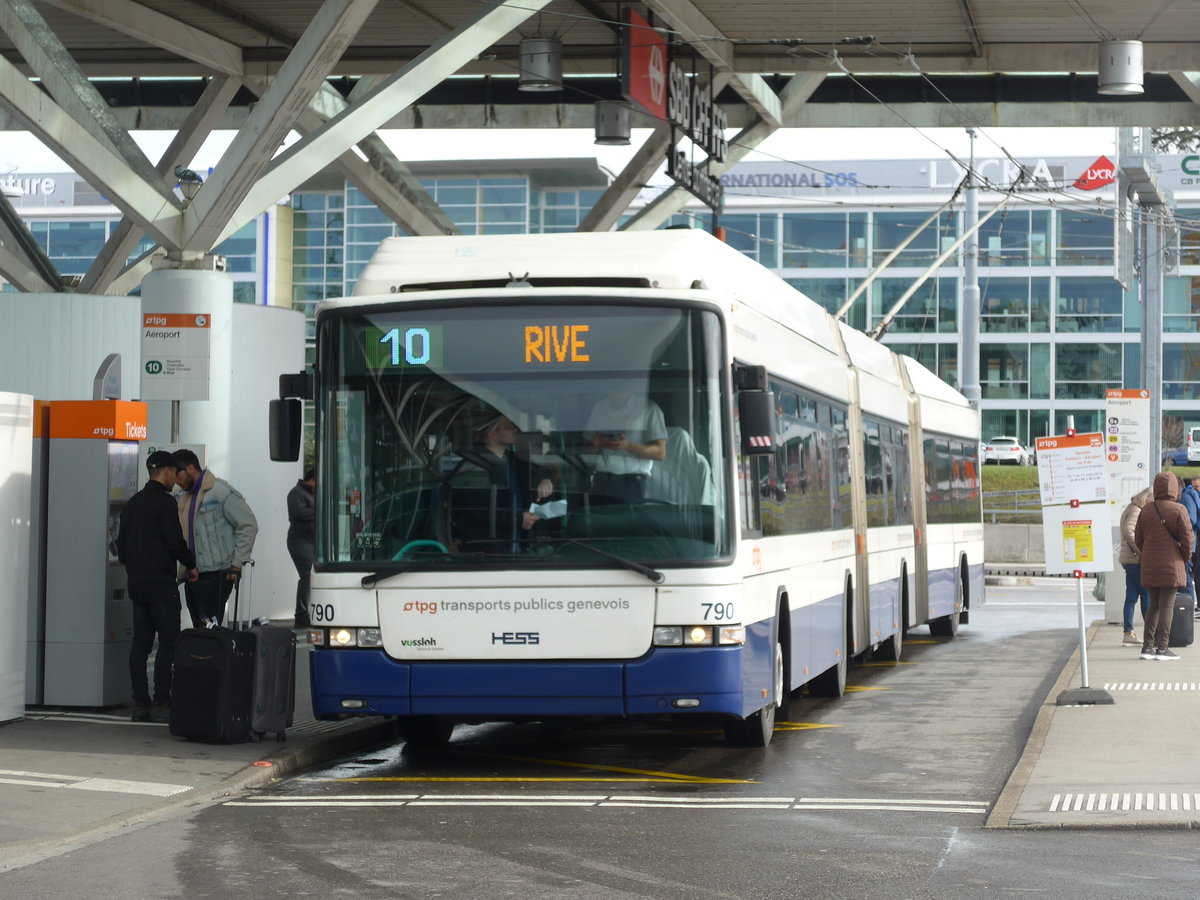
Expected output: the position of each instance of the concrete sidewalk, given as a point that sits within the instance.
(71, 777)
(1134, 764)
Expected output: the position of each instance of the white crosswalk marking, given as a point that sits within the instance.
(1132, 801)
(348, 801)
(77, 783)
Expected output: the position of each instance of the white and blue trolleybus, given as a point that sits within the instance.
(617, 475)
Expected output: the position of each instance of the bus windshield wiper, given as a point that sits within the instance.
(373, 578)
(653, 574)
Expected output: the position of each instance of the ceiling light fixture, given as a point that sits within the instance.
(1120, 67)
(541, 64)
(612, 122)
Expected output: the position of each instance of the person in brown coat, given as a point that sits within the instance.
(1163, 536)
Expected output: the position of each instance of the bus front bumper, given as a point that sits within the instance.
(665, 680)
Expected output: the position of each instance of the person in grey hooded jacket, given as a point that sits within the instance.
(219, 528)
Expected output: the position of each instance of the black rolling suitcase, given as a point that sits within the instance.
(273, 694)
(1183, 621)
(210, 694)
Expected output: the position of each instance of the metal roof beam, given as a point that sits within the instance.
(392, 185)
(625, 187)
(310, 155)
(695, 28)
(17, 269)
(794, 95)
(25, 263)
(199, 124)
(146, 24)
(91, 157)
(75, 95)
(315, 54)
(1189, 83)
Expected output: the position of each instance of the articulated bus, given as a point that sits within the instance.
(792, 494)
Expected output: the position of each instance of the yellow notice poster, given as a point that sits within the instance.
(1078, 546)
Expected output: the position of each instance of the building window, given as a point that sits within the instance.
(831, 293)
(933, 308)
(824, 240)
(941, 359)
(1015, 238)
(1015, 305)
(1089, 304)
(1084, 238)
(1188, 221)
(1181, 372)
(754, 234)
(1004, 371)
(1181, 305)
(489, 205)
(890, 229)
(1086, 371)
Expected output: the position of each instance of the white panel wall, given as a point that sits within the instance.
(52, 344)
(16, 460)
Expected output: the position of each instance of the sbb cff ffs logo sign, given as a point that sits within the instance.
(153, 367)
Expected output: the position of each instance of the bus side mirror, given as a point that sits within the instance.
(286, 420)
(756, 415)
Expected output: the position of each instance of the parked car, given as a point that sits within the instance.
(1193, 446)
(1177, 456)
(1005, 449)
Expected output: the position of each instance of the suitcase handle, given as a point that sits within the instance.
(248, 565)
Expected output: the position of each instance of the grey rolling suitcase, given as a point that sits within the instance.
(273, 692)
(1183, 621)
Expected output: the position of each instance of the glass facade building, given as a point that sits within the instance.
(1056, 329)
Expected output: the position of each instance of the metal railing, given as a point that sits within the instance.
(1021, 507)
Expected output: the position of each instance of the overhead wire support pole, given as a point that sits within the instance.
(878, 331)
(887, 260)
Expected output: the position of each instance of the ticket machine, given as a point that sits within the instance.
(92, 470)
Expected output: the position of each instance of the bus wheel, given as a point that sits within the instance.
(947, 626)
(756, 729)
(831, 682)
(425, 731)
(944, 626)
(889, 650)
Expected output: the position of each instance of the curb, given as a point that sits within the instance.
(1006, 803)
(281, 764)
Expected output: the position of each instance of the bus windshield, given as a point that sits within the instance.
(522, 433)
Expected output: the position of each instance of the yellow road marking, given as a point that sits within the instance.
(856, 688)
(801, 726)
(646, 774)
(923, 641)
(539, 780)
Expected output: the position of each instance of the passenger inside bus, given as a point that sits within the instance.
(629, 435)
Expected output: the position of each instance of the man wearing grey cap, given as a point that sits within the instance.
(149, 544)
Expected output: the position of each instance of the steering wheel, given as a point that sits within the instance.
(414, 545)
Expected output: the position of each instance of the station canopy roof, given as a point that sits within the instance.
(81, 74)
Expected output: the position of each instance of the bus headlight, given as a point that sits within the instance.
(343, 637)
(732, 634)
(316, 637)
(697, 635)
(370, 637)
(668, 636)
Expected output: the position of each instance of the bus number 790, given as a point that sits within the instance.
(718, 612)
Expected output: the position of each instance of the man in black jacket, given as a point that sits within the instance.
(302, 537)
(149, 544)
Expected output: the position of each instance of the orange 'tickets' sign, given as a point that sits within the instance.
(109, 420)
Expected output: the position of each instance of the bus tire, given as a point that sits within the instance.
(424, 731)
(757, 728)
(891, 648)
(947, 626)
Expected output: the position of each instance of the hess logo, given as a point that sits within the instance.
(517, 637)
(1100, 173)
